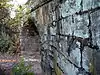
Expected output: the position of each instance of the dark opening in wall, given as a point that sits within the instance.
(31, 28)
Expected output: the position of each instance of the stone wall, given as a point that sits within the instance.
(70, 36)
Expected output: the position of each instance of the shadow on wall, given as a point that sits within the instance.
(30, 27)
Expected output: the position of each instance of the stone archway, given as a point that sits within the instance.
(30, 48)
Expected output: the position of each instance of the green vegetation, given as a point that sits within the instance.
(22, 69)
(6, 41)
(10, 27)
(9, 32)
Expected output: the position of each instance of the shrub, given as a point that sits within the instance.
(21, 69)
(5, 43)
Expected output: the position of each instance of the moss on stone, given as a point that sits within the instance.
(56, 68)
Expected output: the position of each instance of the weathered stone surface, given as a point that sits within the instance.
(70, 7)
(77, 24)
(95, 27)
(81, 23)
(69, 32)
(88, 4)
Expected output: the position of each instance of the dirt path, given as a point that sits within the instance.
(7, 61)
(31, 53)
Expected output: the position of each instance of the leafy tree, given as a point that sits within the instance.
(8, 24)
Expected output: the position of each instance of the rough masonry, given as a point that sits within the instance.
(70, 36)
